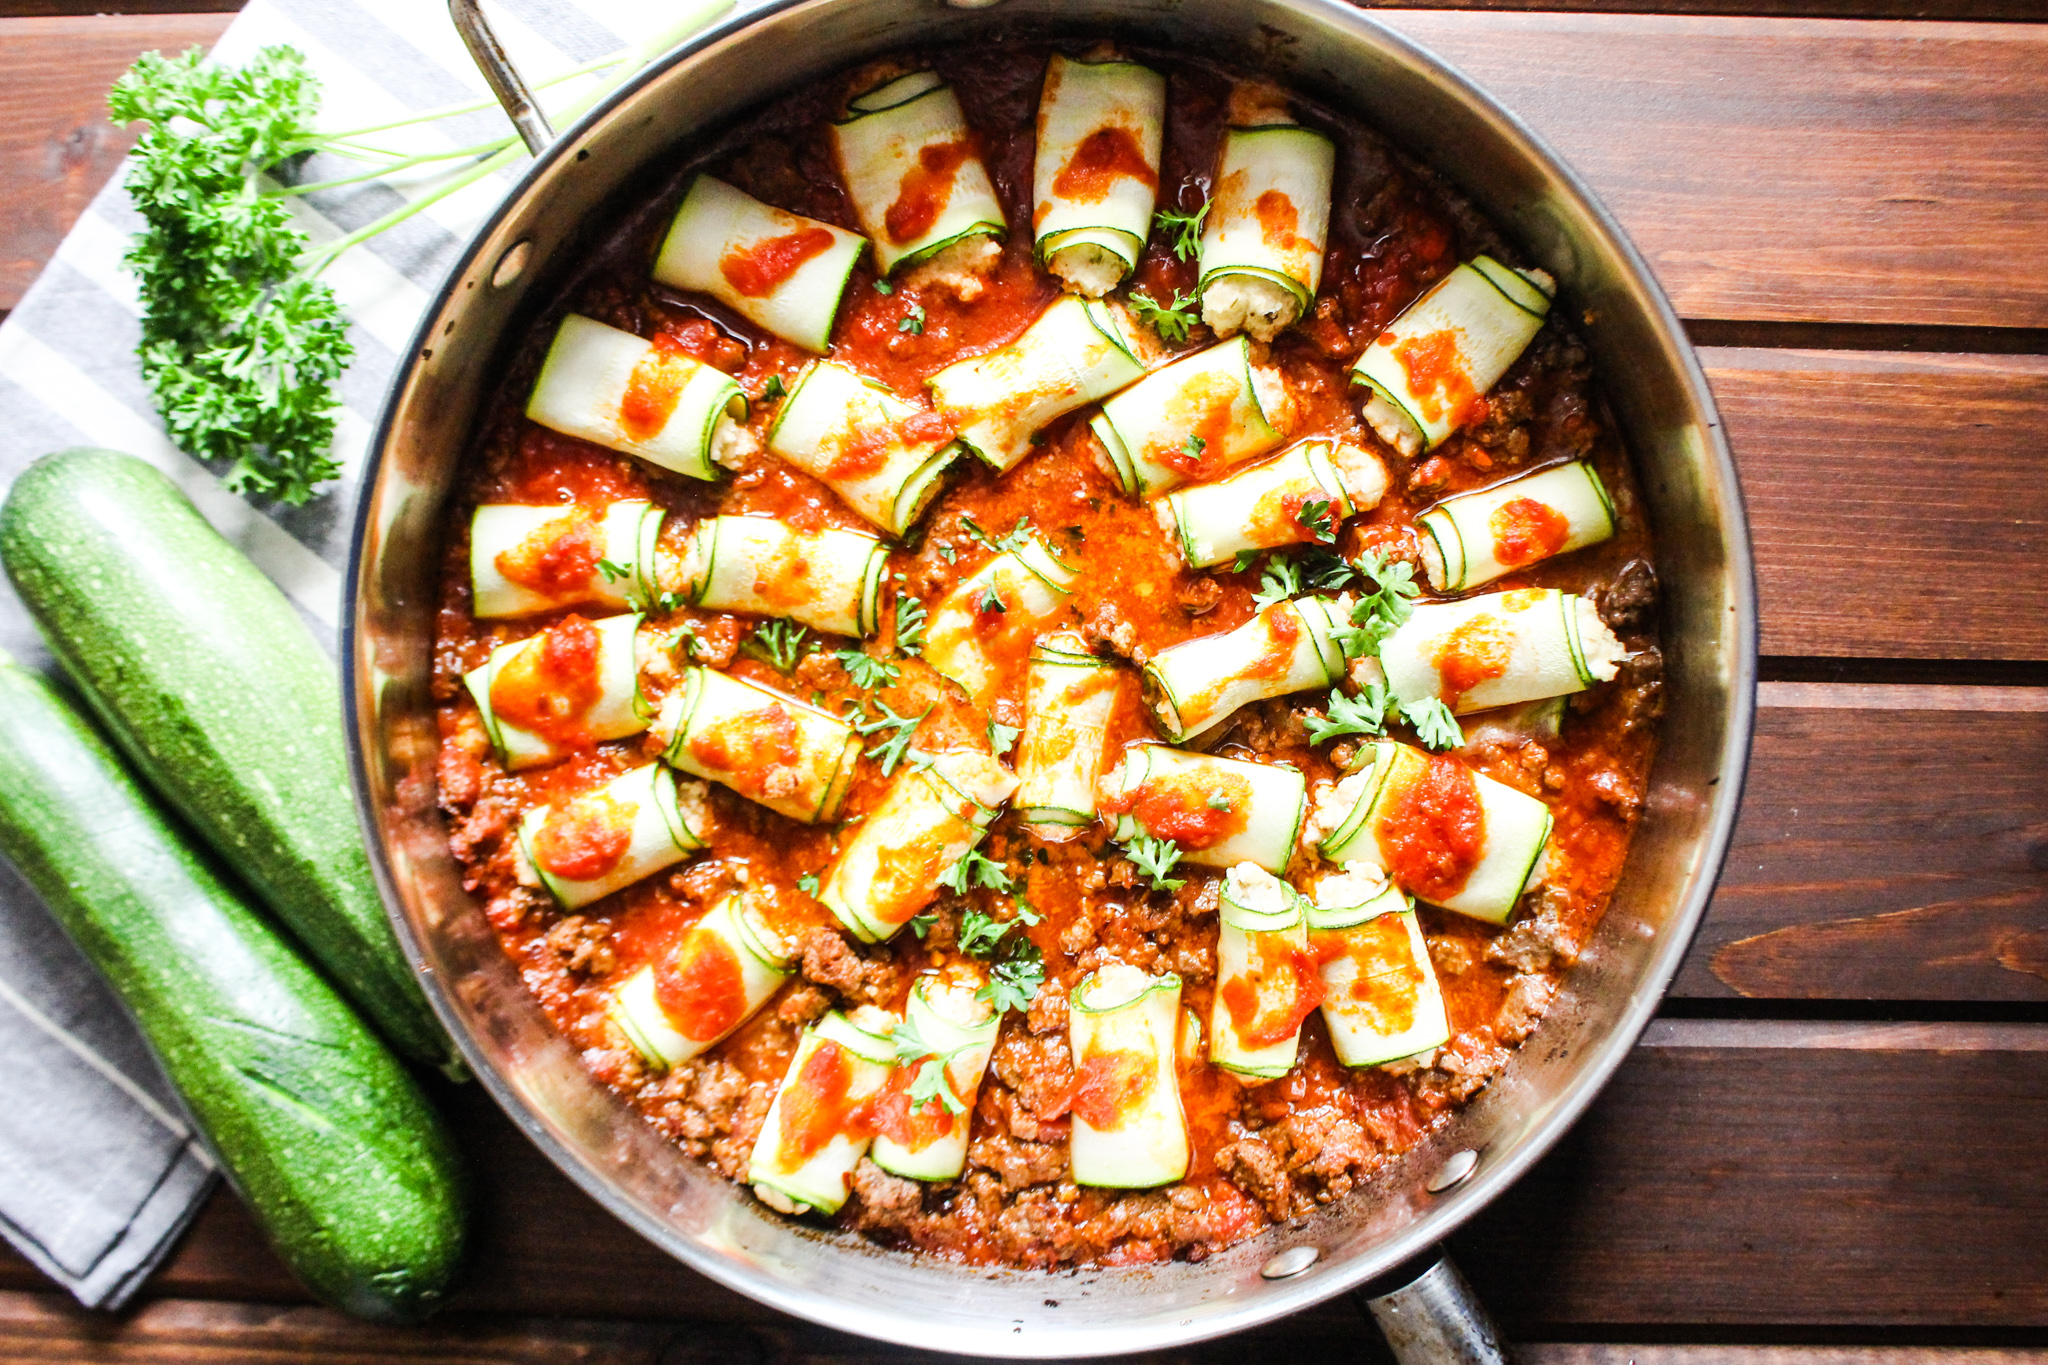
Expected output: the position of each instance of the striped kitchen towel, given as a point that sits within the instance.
(99, 1171)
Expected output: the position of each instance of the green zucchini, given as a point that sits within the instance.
(208, 681)
(326, 1136)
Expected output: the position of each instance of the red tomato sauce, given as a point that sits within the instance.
(550, 687)
(1433, 832)
(1104, 157)
(585, 839)
(926, 190)
(701, 989)
(1526, 531)
(759, 269)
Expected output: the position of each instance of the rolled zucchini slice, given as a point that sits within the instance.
(1196, 418)
(889, 868)
(1074, 354)
(524, 559)
(1070, 696)
(882, 456)
(575, 684)
(1129, 1132)
(1474, 538)
(644, 398)
(1381, 1000)
(782, 272)
(816, 1131)
(928, 1141)
(1499, 649)
(795, 759)
(909, 164)
(726, 966)
(1306, 494)
(1220, 811)
(1269, 218)
(981, 630)
(1095, 179)
(831, 580)
(1266, 983)
(589, 846)
(1429, 370)
(1196, 685)
(1440, 831)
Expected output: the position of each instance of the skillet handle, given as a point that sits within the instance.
(499, 73)
(1430, 1316)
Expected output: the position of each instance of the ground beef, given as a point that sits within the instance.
(802, 1003)
(703, 883)
(1048, 1013)
(1107, 630)
(1199, 596)
(1019, 1164)
(1527, 1000)
(584, 945)
(1540, 938)
(1038, 1067)
(829, 960)
(1266, 728)
(486, 823)
(1450, 956)
(1625, 604)
(888, 1201)
(1323, 1148)
(820, 672)
(1258, 1170)
(512, 907)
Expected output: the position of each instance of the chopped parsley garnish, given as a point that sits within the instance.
(913, 321)
(1171, 320)
(773, 389)
(921, 924)
(1014, 980)
(1219, 801)
(1280, 581)
(1434, 724)
(884, 287)
(1001, 737)
(1244, 560)
(1156, 858)
(948, 553)
(1019, 537)
(1314, 518)
(1194, 447)
(1184, 229)
(990, 603)
(1379, 613)
(866, 671)
(612, 570)
(808, 883)
(930, 1083)
(910, 620)
(888, 752)
(780, 643)
(972, 870)
(1364, 714)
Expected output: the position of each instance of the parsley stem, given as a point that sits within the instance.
(387, 168)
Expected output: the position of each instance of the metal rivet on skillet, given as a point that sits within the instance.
(973, 4)
(1457, 1168)
(1292, 1261)
(512, 264)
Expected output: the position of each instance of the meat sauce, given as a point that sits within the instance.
(1260, 1151)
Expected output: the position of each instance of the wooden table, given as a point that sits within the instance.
(1835, 1139)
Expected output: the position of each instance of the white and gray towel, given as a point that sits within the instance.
(98, 1170)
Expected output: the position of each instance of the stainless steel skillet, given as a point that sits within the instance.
(1660, 399)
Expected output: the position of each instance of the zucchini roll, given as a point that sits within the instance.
(890, 866)
(1499, 649)
(725, 968)
(819, 1126)
(1381, 1001)
(1304, 495)
(928, 1141)
(1072, 355)
(1262, 246)
(644, 398)
(1194, 419)
(784, 273)
(1266, 983)
(1430, 369)
(1220, 811)
(1196, 685)
(567, 688)
(909, 163)
(1069, 697)
(795, 759)
(1440, 831)
(882, 456)
(633, 826)
(1096, 176)
(830, 580)
(1128, 1129)
(1474, 538)
(525, 559)
(992, 615)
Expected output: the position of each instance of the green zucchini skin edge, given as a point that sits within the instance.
(326, 1136)
(207, 680)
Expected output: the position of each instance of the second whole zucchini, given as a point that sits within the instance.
(326, 1136)
(206, 678)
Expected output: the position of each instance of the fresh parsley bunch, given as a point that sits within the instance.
(240, 353)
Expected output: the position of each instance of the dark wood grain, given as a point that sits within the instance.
(1887, 493)
(1797, 170)
(56, 146)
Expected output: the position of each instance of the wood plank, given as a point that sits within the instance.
(1790, 169)
(1803, 1182)
(1885, 854)
(1858, 465)
(56, 147)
